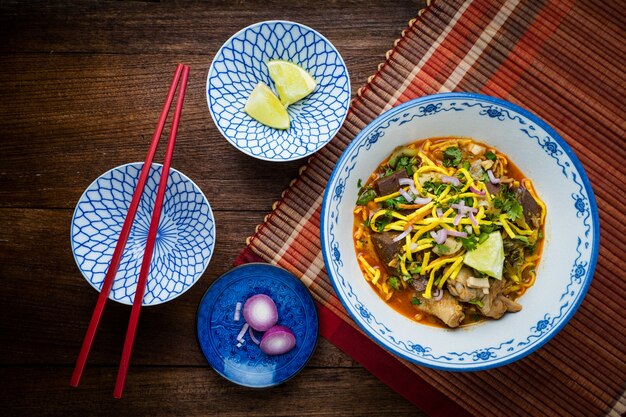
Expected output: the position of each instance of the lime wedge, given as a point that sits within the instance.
(292, 81)
(488, 257)
(264, 106)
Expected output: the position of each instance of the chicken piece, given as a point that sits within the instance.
(459, 288)
(447, 309)
(495, 304)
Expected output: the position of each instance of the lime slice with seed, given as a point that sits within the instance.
(488, 257)
(292, 81)
(265, 107)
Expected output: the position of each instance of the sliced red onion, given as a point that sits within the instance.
(456, 234)
(440, 237)
(260, 312)
(422, 200)
(242, 332)
(473, 219)
(451, 180)
(457, 219)
(462, 208)
(408, 197)
(403, 234)
(251, 333)
(475, 191)
(439, 212)
(437, 294)
(410, 183)
(278, 340)
(237, 315)
(492, 178)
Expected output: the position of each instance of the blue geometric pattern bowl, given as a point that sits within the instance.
(217, 328)
(241, 63)
(184, 242)
(572, 231)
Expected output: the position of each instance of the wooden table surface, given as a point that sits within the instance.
(82, 84)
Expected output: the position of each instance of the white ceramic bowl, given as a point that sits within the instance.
(569, 255)
(241, 63)
(184, 243)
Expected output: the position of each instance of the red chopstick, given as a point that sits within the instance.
(152, 232)
(123, 238)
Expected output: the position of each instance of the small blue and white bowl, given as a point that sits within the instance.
(571, 231)
(241, 63)
(184, 243)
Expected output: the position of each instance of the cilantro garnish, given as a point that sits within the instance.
(452, 156)
(490, 155)
(394, 283)
(366, 196)
(415, 301)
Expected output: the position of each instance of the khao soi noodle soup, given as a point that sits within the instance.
(449, 232)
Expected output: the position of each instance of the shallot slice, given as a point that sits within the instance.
(476, 191)
(403, 234)
(492, 178)
(406, 195)
(260, 312)
(451, 180)
(278, 340)
(422, 200)
(437, 294)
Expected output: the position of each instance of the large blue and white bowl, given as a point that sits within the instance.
(569, 255)
(241, 63)
(184, 242)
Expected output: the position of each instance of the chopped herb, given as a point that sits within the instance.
(366, 222)
(452, 156)
(392, 203)
(466, 165)
(476, 303)
(469, 243)
(366, 196)
(508, 204)
(407, 163)
(441, 249)
(490, 155)
(415, 269)
(415, 301)
(394, 283)
(359, 183)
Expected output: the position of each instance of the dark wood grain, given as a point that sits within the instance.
(82, 83)
(198, 391)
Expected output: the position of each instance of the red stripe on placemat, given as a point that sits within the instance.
(376, 360)
(524, 52)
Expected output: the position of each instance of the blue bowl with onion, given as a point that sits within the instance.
(257, 325)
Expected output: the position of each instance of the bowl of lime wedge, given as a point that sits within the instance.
(278, 90)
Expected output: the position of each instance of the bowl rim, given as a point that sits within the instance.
(153, 165)
(345, 106)
(595, 221)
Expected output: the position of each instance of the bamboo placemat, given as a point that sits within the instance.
(562, 60)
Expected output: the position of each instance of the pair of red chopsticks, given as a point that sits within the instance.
(182, 71)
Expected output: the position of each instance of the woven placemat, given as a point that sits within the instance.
(563, 60)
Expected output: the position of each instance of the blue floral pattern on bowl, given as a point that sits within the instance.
(184, 243)
(241, 63)
(217, 328)
(572, 231)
